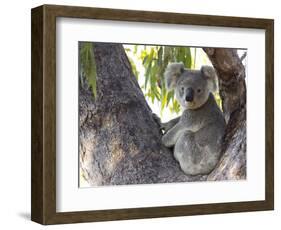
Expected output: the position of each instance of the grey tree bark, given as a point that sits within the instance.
(120, 143)
(231, 75)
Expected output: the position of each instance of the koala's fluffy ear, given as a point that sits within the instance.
(172, 74)
(211, 75)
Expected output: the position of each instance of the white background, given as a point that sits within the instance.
(15, 114)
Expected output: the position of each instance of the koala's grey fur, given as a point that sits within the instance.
(197, 135)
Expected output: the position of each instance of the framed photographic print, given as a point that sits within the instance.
(140, 114)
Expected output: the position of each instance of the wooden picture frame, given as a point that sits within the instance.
(43, 186)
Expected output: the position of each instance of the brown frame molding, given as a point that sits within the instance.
(43, 158)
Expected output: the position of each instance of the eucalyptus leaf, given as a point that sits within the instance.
(88, 65)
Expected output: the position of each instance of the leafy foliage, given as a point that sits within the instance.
(88, 65)
(155, 60)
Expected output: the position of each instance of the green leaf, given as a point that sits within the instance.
(135, 49)
(194, 60)
(160, 56)
(164, 100)
(144, 59)
(147, 75)
(88, 65)
(170, 97)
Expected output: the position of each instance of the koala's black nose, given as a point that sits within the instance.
(189, 94)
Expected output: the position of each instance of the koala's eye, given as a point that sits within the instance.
(198, 90)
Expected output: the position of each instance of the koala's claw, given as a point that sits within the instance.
(165, 126)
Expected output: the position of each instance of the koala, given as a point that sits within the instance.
(197, 134)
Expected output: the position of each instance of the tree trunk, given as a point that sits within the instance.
(231, 75)
(120, 143)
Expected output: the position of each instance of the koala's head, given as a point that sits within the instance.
(192, 87)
